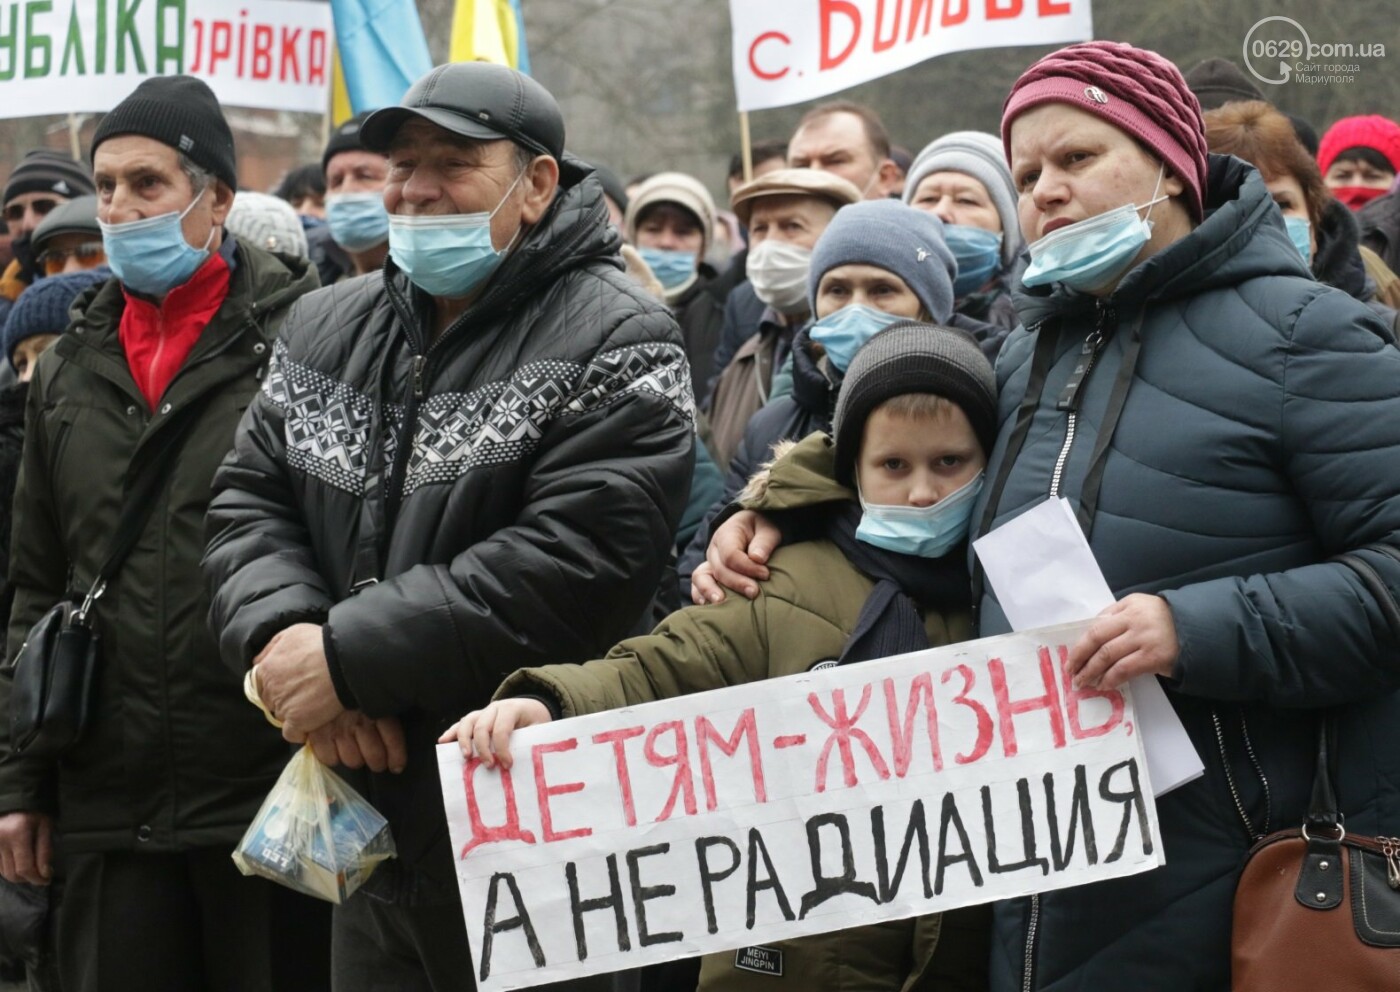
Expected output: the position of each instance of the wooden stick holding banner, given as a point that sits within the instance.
(745, 145)
(796, 806)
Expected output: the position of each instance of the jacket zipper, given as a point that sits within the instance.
(1104, 323)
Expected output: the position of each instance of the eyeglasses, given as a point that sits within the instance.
(14, 213)
(55, 260)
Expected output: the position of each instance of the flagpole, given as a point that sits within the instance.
(330, 99)
(74, 140)
(745, 145)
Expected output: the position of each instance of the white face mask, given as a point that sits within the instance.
(778, 271)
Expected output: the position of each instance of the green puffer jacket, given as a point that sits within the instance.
(804, 615)
(175, 757)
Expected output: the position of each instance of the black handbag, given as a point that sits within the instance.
(54, 677)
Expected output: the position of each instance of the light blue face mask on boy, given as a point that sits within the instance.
(842, 333)
(925, 531)
(1300, 231)
(358, 221)
(671, 268)
(978, 253)
(1092, 253)
(151, 255)
(448, 255)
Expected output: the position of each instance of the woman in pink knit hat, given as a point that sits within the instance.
(1217, 420)
(1359, 158)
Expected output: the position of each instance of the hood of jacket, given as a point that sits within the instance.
(801, 474)
(1338, 260)
(573, 232)
(1242, 237)
(814, 380)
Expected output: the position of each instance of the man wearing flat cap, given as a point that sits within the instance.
(469, 462)
(174, 765)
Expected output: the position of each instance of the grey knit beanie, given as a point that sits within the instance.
(894, 237)
(913, 357)
(981, 156)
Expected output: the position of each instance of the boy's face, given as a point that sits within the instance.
(917, 461)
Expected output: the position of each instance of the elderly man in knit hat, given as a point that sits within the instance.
(355, 214)
(39, 183)
(175, 764)
(962, 178)
(671, 221)
(471, 462)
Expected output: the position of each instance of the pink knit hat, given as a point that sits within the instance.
(1135, 90)
(1371, 131)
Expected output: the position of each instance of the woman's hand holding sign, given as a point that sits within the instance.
(1135, 636)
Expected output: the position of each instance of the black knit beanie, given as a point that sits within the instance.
(179, 111)
(43, 171)
(913, 357)
(345, 138)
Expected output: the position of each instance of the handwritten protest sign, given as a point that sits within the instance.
(800, 805)
(63, 56)
(787, 51)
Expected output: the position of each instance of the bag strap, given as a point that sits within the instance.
(144, 481)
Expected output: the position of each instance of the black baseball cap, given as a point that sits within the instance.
(479, 100)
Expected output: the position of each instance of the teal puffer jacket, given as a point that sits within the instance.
(1239, 427)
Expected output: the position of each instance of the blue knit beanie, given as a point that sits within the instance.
(43, 307)
(894, 237)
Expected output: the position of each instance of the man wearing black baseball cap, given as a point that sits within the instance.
(472, 461)
(175, 764)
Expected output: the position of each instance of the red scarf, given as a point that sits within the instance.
(158, 338)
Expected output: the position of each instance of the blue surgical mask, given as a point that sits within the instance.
(358, 221)
(926, 531)
(842, 333)
(978, 253)
(1094, 252)
(448, 255)
(151, 255)
(671, 268)
(1301, 232)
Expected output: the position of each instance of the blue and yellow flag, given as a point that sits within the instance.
(490, 31)
(382, 50)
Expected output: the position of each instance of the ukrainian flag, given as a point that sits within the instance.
(381, 49)
(490, 31)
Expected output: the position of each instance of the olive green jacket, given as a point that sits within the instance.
(175, 757)
(804, 614)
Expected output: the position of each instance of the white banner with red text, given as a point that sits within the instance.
(788, 51)
(796, 806)
(85, 56)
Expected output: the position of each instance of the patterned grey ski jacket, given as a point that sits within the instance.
(515, 485)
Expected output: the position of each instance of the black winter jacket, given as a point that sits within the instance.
(1253, 444)
(175, 758)
(1338, 260)
(524, 474)
(12, 399)
(1380, 228)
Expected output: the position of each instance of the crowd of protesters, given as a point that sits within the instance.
(458, 411)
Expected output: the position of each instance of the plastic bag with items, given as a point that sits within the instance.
(314, 833)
